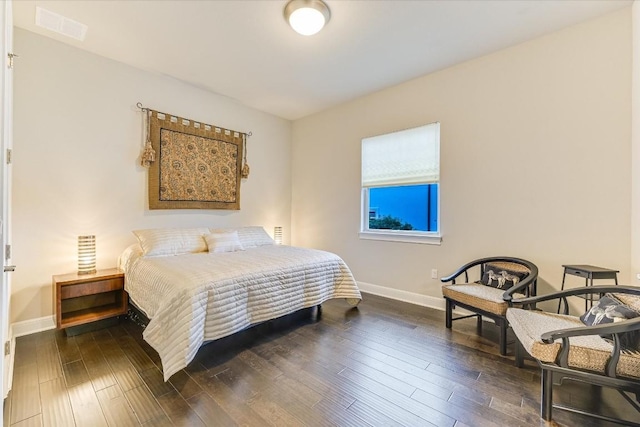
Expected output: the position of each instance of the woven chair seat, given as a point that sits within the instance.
(478, 295)
(589, 352)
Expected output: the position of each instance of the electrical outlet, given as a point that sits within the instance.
(638, 276)
(434, 273)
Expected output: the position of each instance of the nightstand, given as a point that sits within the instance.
(590, 273)
(84, 298)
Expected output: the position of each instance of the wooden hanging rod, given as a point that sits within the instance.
(145, 109)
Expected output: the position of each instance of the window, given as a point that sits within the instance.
(400, 185)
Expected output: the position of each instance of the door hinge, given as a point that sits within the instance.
(10, 62)
(7, 348)
(7, 251)
(8, 156)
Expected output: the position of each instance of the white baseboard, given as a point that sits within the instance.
(32, 326)
(9, 371)
(26, 327)
(405, 296)
(411, 297)
(19, 329)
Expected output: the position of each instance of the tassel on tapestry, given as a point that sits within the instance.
(148, 153)
(245, 165)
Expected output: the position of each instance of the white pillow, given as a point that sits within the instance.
(223, 242)
(254, 236)
(250, 237)
(171, 241)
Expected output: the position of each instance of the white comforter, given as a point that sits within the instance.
(200, 297)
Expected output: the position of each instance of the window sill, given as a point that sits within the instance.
(403, 237)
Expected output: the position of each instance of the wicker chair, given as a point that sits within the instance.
(485, 300)
(565, 348)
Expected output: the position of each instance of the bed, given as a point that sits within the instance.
(198, 285)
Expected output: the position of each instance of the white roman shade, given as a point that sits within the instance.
(405, 157)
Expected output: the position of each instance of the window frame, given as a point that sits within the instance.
(404, 236)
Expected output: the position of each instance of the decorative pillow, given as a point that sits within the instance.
(250, 237)
(223, 242)
(171, 241)
(609, 309)
(503, 275)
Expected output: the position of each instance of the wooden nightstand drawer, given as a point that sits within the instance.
(578, 273)
(90, 288)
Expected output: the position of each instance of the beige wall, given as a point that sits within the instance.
(635, 144)
(535, 148)
(77, 141)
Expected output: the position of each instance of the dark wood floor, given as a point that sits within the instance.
(386, 363)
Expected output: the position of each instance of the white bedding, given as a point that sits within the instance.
(199, 297)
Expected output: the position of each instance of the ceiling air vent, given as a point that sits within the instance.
(59, 24)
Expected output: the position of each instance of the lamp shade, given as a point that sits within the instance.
(86, 254)
(277, 235)
(307, 17)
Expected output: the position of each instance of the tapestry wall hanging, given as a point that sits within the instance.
(193, 165)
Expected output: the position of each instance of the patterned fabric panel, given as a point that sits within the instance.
(195, 168)
(171, 241)
(479, 296)
(587, 352)
(223, 242)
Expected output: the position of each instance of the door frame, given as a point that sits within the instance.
(6, 139)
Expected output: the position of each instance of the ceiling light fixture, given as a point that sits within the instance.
(307, 17)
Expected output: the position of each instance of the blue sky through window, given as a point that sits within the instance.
(414, 204)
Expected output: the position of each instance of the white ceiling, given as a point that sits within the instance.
(246, 51)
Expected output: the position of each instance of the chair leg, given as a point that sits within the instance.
(546, 399)
(519, 354)
(448, 313)
(503, 337)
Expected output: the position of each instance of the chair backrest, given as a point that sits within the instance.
(630, 300)
(506, 265)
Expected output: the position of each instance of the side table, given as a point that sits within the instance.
(590, 273)
(80, 299)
